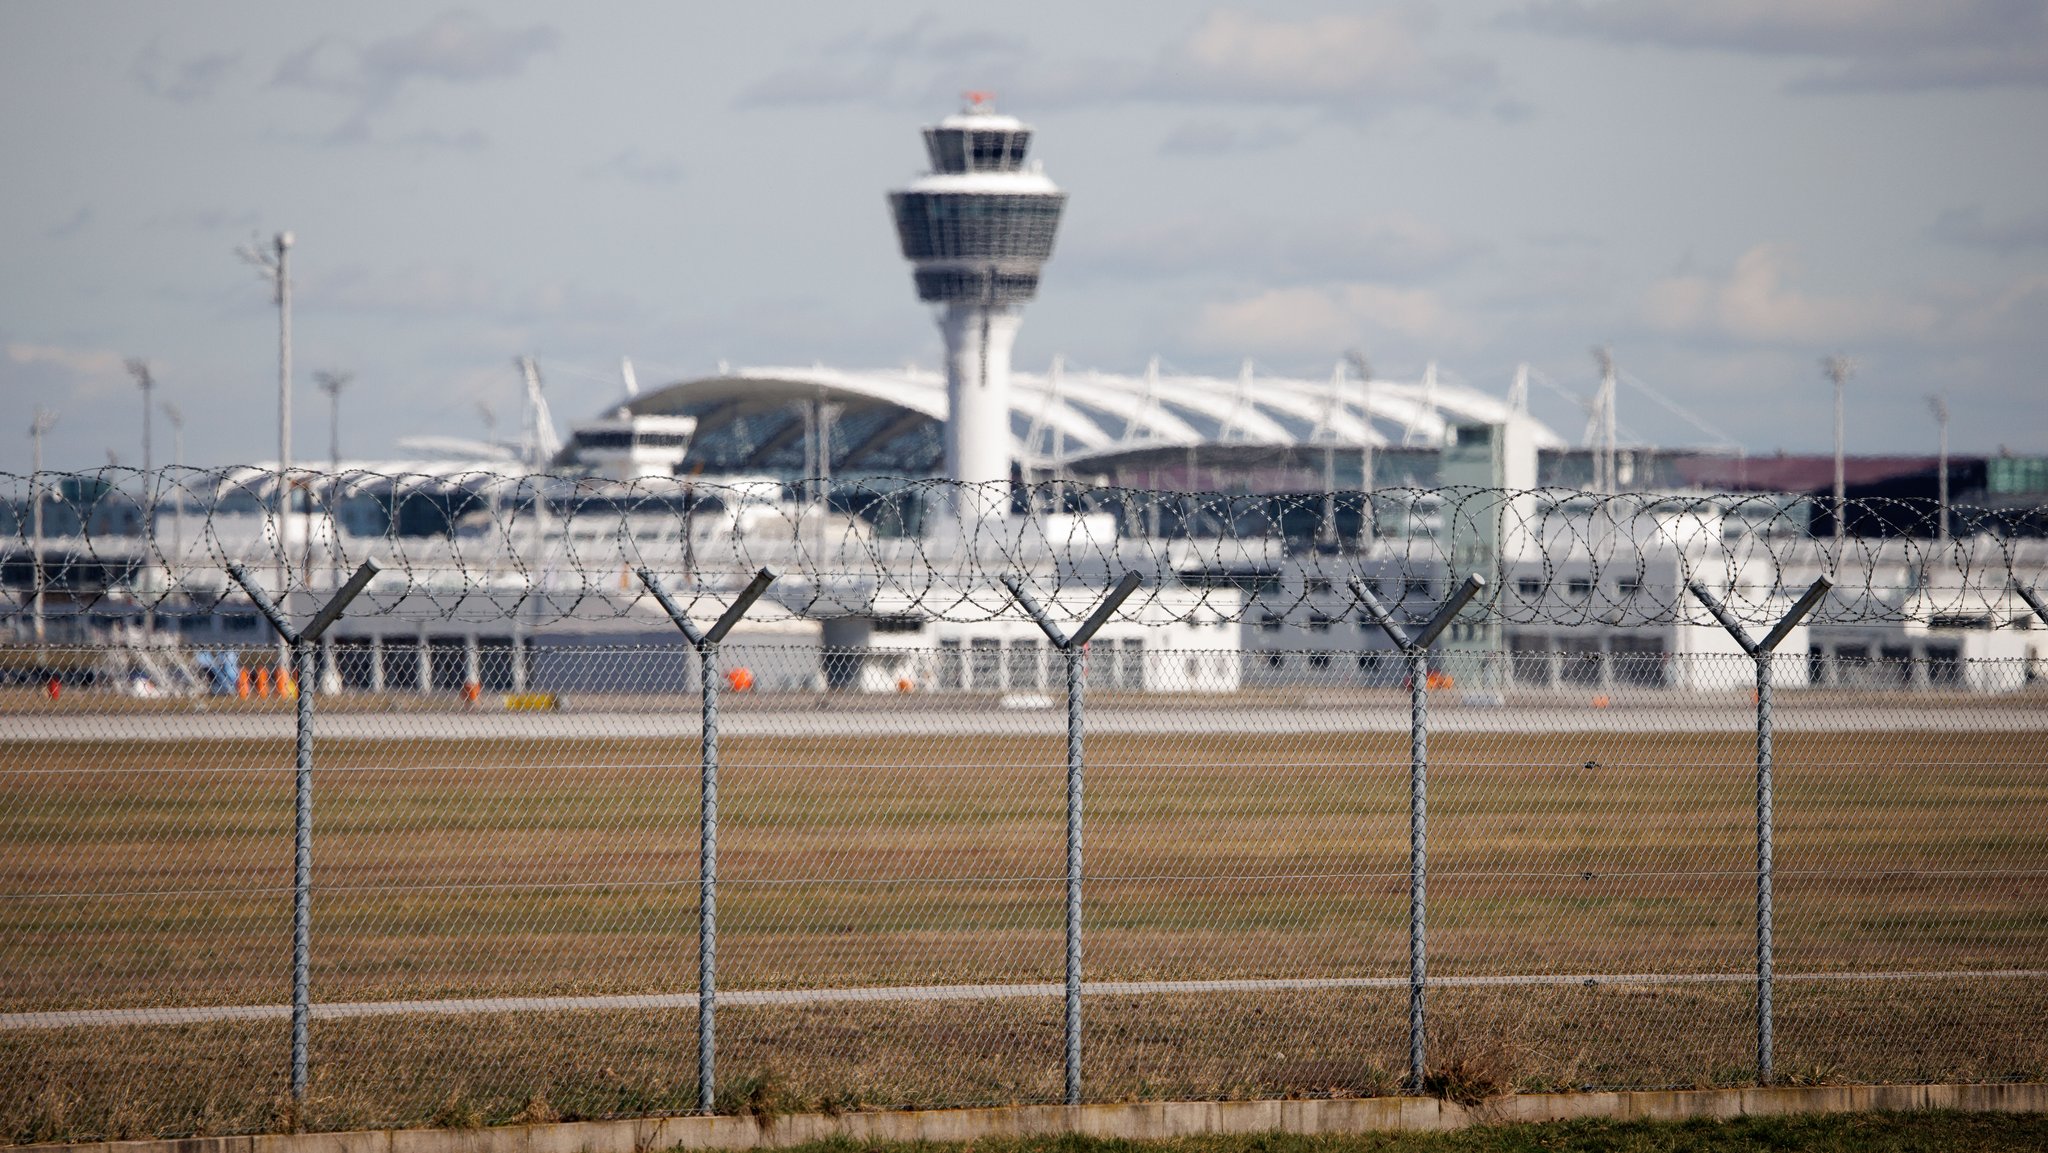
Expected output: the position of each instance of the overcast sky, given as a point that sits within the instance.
(1724, 192)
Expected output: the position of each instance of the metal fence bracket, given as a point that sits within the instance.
(706, 642)
(300, 643)
(1417, 650)
(1072, 648)
(1764, 652)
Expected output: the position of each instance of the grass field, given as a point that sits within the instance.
(156, 873)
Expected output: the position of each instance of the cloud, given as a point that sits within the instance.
(435, 292)
(907, 66)
(1350, 65)
(434, 140)
(1967, 228)
(456, 47)
(1753, 302)
(1220, 138)
(205, 219)
(1867, 45)
(1319, 320)
(183, 81)
(87, 372)
(72, 225)
(1291, 250)
(634, 168)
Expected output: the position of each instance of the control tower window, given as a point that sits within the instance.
(976, 227)
(981, 150)
(948, 149)
(999, 150)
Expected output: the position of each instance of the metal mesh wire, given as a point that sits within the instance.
(505, 902)
(506, 836)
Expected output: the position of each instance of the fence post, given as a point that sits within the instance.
(706, 642)
(301, 645)
(1072, 647)
(1417, 650)
(1762, 652)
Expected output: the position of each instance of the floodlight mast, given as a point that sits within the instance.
(274, 265)
(332, 383)
(176, 417)
(1939, 403)
(146, 380)
(1365, 447)
(1604, 478)
(977, 228)
(1839, 369)
(43, 421)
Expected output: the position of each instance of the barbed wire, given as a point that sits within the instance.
(482, 546)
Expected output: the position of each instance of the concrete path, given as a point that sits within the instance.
(1709, 715)
(189, 1015)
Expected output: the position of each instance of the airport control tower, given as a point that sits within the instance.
(978, 227)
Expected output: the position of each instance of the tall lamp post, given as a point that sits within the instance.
(176, 416)
(146, 380)
(1839, 369)
(1365, 517)
(331, 383)
(1939, 403)
(274, 264)
(43, 422)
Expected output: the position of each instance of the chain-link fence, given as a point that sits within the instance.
(1319, 829)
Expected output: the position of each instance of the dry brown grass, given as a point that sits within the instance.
(150, 873)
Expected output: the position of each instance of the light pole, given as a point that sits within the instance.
(146, 380)
(1605, 479)
(274, 264)
(331, 383)
(44, 421)
(176, 416)
(1839, 369)
(1939, 403)
(1365, 517)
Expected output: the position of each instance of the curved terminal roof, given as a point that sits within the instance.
(887, 422)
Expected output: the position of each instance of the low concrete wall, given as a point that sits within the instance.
(1140, 1121)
